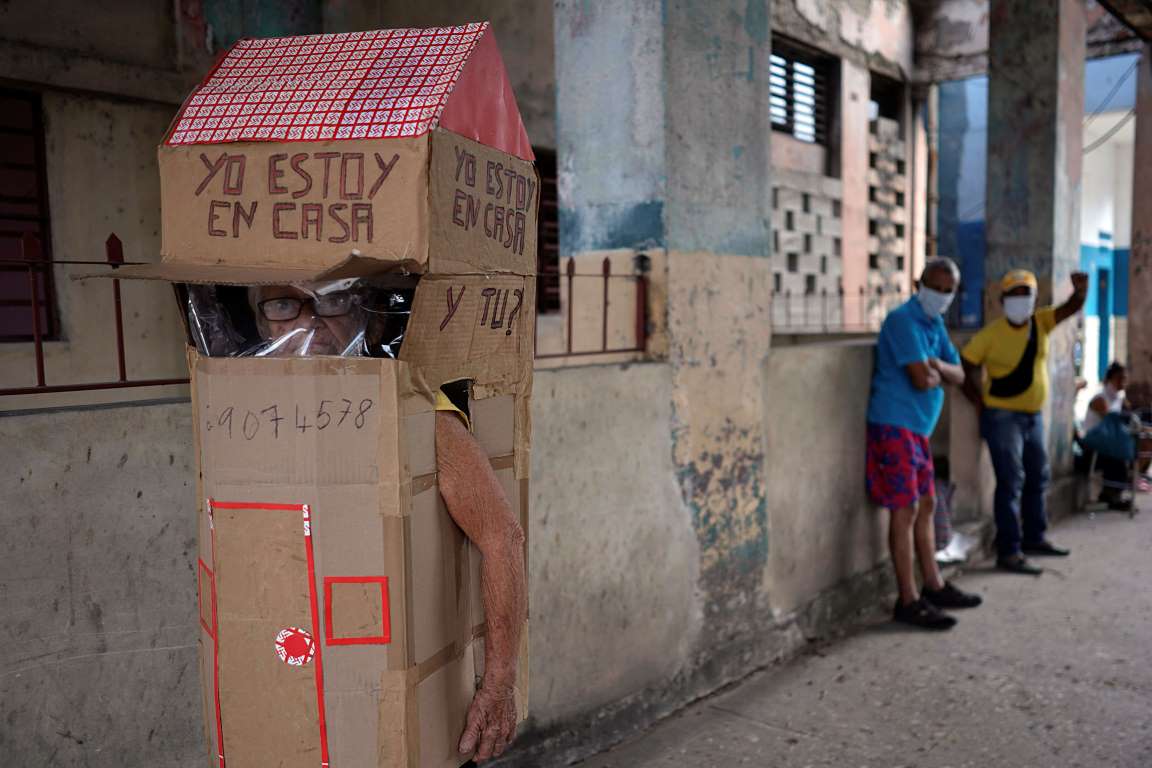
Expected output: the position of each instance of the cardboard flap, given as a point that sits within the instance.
(483, 208)
(476, 327)
(238, 274)
(269, 204)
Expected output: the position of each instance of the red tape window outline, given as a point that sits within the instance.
(200, 597)
(385, 636)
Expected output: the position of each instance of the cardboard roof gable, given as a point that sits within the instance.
(378, 84)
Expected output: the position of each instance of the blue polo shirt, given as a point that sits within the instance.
(908, 336)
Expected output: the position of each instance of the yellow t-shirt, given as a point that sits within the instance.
(444, 403)
(999, 346)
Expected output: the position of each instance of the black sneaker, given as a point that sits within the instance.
(922, 614)
(1017, 564)
(950, 596)
(1045, 549)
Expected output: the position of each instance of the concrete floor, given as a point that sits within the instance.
(1051, 672)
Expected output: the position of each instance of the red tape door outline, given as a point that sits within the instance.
(294, 640)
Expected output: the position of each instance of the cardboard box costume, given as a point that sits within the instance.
(341, 620)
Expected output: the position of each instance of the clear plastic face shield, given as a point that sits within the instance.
(342, 318)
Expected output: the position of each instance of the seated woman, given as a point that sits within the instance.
(1116, 471)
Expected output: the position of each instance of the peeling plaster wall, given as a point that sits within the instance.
(873, 33)
(719, 282)
(98, 589)
(952, 37)
(818, 511)
(610, 142)
(613, 550)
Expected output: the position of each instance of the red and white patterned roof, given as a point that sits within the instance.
(379, 84)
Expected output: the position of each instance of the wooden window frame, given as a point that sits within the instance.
(548, 235)
(784, 78)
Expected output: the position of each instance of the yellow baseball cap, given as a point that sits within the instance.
(1016, 278)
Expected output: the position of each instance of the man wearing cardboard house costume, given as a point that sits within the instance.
(345, 618)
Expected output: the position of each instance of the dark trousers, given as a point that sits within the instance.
(1016, 444)
(1115, 472)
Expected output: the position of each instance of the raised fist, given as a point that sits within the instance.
(1080, 283)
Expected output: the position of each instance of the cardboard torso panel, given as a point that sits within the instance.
(341, 611)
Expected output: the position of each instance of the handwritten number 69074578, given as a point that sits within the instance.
(253, 421)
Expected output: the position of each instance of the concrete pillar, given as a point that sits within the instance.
(855, 89)
(663, 142)
(1035, 116)
(1140, 258)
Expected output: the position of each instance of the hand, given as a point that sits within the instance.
(491, 722)
(1080, 283)
(934, 363)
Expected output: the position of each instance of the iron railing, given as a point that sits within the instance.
(36, 267)
(840, 312)
(607, 279)
(30, 261)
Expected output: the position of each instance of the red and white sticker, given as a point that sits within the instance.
(295, 646)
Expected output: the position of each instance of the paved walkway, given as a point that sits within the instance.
(1051, 672)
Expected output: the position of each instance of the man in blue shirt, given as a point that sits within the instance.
(914, 357)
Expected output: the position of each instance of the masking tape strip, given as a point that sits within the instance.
(422, 483)
(395, 546)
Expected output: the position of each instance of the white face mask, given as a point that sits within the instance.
(934, 303)
(1019, 308)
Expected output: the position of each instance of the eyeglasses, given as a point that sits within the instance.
(289, 307)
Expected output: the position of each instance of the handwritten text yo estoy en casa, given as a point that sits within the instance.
(499, 205)
(339, 179)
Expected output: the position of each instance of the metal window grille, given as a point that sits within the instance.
(23, 211)
(548, 235)
(800, 84)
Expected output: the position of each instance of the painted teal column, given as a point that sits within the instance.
(663, 131)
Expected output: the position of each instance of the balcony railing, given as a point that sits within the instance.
(839, 312)
(39, 271)
(598, 289)
(603, 301)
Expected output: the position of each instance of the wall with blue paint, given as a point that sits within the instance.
(963, 166)
(1106, 216)
(609, 62)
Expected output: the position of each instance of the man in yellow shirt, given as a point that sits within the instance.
(1014, 352)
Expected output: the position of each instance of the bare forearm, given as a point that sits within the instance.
(1069, 308)
(477, 503)
(973, 385)
(952, 374)
(1076, 301)
(505, 606)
